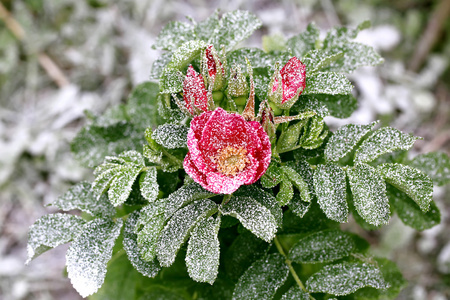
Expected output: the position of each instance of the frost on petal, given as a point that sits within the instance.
(194, 91)
(293, 76)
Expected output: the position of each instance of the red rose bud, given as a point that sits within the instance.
(213, 69)
(288, 83)
(194, 92)
(237, 84)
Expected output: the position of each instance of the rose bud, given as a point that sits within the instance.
(213, 70)
(194, 92)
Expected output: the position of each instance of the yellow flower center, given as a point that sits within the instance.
(231, 161)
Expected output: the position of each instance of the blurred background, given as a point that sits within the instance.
(59, 58)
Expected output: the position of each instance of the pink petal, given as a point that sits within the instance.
(265, 153)
(192, 171)
(194, 88)
(293, 76)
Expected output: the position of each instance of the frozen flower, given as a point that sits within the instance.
(226, 151)
(194, 92)
(288, 83)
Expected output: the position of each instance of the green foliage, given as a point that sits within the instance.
(304, 42)
(327, 83)
(171, 136)
(436, 165)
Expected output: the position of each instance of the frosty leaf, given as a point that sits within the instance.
(80, 196)
(171, 136)
(244, 250)
(303, 169)
(185, 54)
(202, 258)
(206, 29)
(93, 142)
(339, 106)
(103, 181)
(185, 195)
(285, 193)
(261, 85)
(130, 245)
(410, 213)
(234, 27)
(272, 177)
(148, 184)
(322, 246)
(316, 60)
(252, 215)
(345, 278)
(298, 181)
(288, 139)
(142, 105)
(179, 227)
(89, 253)
(411, 181)
(327, 83)
(435, 164)
(173, 35)
(391, 275)
(345, 139)
(159, 65)
(50, 231)
(171, 81)
(305, 41)
(121, 185)
(384, 140)
(257, 57)
(264, 198)
(295, 293)
(314, 133)
(331, 191)
(262, 279)
(132, 158)
(355, 55)
(369, 194)
(298, 206)
(148, 229)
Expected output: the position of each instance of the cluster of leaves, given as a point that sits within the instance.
(154, 229)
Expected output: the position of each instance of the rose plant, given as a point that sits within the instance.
(220, 179)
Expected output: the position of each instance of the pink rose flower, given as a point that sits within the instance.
(225, 151)
(293, 82)
(194, 92)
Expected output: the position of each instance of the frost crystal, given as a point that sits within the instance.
(327, 83)
(171, 136)
(331, 191)
(202, 258)
(89, 253)
(369, 194)
(295, 293)
(345, 278)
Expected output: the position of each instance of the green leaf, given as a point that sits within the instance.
(286, 192)
(411, 181)
(186, 194)
(298, 181)
(264, 198)
(257, 57)
(159, 65)
(148, 229)
(339, 106)
(391, 275)
(89, 253)
(121, 185)
(185, 54)
(288, 139)
(253, 216)
(434, 164)
(295, 293)
(206, 29)
(384, 140)
(272, 177)
(171, 81)
(202, 258)
(93, 143)
(323, 246)
(244, 250)
(171, 136)
(345, 139)
(132, 158)
(262, 279)
(345, 278)
(130, 245)
(103, 181)
(173, 35)
(355, 55)
(50, 231)
(410, 213)
(80, 196)
(369, 194)
(305, 41)
(234, 27)
(179, 227)
(298, 206)
(316, 60)
(142, 105)
(148, 184)
(331, 191)
(327, 83)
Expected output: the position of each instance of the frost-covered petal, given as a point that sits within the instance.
(193, 171)
(293, 78)
(194, 91)
(265, 152)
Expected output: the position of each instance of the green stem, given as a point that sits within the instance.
(289, 263)
(170, 156)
